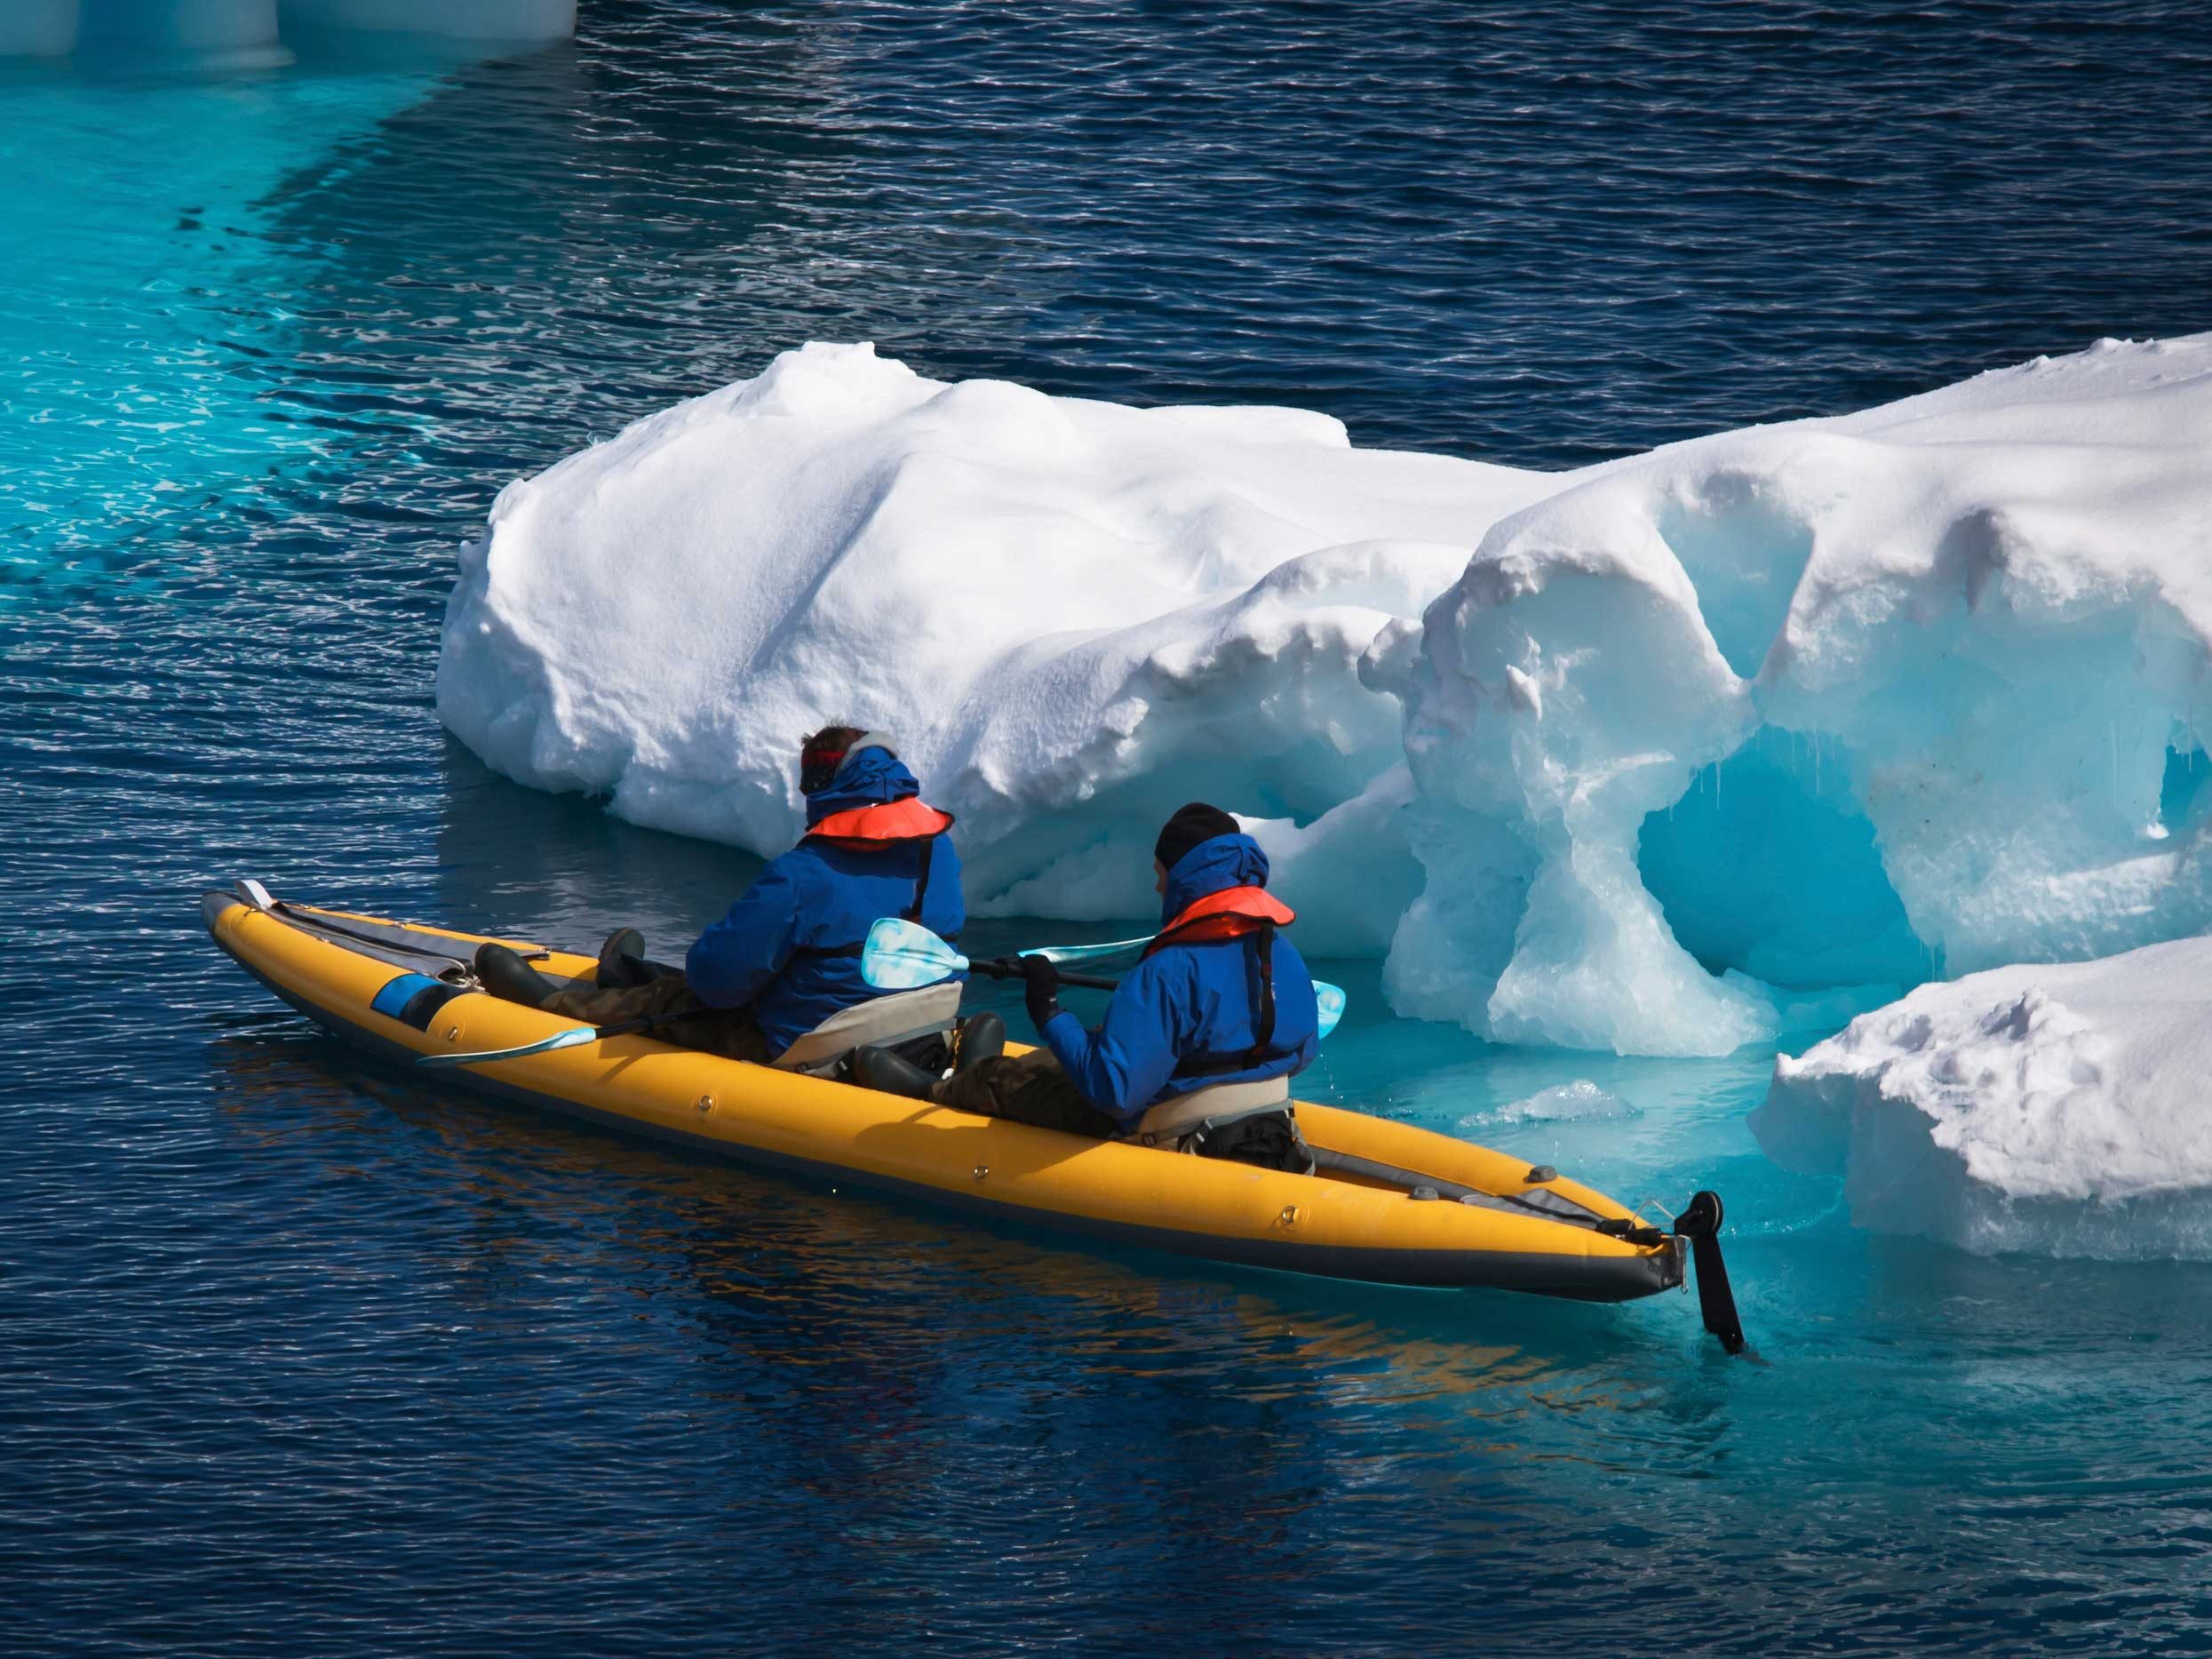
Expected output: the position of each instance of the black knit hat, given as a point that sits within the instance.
(1192, 825)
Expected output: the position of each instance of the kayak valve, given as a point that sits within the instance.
(1701, 1224)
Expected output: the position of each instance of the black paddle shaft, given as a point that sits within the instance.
(1010, 968)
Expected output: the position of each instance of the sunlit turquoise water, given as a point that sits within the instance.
(296, 1357)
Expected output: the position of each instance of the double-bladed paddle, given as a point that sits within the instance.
(902, 955)
(899, 955)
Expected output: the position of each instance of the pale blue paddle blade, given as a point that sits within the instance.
(1087, 952)
(902, 955)
(574, 1038)
(1331, 1000)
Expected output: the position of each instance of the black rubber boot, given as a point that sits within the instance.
(622, 962)
(881, 1070)
(507, 976)
(983, 1037)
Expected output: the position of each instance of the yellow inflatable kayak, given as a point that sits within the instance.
(1395, 1205)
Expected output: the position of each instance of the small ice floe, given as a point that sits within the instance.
(2057, 1109)
(1578, 1102)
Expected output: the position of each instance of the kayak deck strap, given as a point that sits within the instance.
(1557, 1208)
(385, 941)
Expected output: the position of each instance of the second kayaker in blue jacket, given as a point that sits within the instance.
(1221, 1003)
(787, 954)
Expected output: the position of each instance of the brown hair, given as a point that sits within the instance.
(819, 754)
(832, 739)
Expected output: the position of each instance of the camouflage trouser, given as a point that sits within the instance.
(728, 1031)
(1026, 1088)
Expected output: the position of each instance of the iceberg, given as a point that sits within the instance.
(2058, 1108)
(1073, 616)
(457, 20)
(1865, 699)
(228, 32)
(38, 28)
(1664, 756)
(252, 30)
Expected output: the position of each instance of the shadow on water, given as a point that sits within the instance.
(564, 868)
(739, 1235)
(883, 1365)
(884, 1362)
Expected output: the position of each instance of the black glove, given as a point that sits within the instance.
(1042, 981)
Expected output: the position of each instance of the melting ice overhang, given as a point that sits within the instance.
(53, 27)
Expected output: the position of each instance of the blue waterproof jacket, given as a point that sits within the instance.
(770, 951)
(1187, 1002)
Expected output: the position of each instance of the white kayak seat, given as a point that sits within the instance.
(881, 1022)
(1175, 1120)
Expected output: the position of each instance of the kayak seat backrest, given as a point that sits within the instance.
(1223, 1104)
(882, 1022)
(1253, 1123)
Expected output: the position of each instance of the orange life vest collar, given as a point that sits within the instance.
(895, 821)
(1229, 914)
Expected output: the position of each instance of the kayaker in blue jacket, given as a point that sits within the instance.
(787, 955)
(1221, 999)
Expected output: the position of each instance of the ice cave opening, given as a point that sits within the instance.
(2182, 801)
(1768, 865)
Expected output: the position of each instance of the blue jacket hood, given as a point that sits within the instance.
(1209, 868)
(873, 777)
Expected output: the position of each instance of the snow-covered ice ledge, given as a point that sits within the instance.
(1600, 758)
(2060, 1109)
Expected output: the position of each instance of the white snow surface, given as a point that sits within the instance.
(1073, 616)
(1865, 699)
(2059, 1109)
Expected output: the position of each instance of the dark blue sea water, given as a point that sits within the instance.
(300, 1358)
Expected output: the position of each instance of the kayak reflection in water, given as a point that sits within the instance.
(786, 958)
(1200, 1040)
